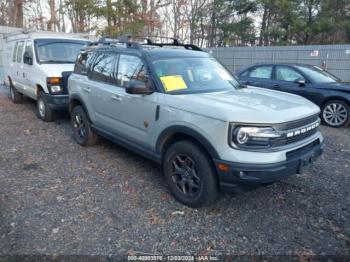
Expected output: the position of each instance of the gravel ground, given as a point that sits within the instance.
(59, 198)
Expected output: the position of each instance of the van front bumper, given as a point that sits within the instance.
(241, 177)
(57, 102)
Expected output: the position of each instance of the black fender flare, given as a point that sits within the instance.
(77, 98)
(184, 130)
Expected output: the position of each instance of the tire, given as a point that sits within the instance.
(335, 113)
(82, 131)
(194, 168)
(44, 111)
(16, 97)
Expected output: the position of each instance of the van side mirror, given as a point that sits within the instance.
(137, 87)
(300, 81)
(28, 58)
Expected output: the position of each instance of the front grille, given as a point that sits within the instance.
(297, 124)
(293, 127)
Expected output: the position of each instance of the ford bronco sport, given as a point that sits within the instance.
(178, 106)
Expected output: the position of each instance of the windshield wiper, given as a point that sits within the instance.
(242, 86)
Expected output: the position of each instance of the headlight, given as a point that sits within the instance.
(250, 137)
(55, 89)
(54, 84)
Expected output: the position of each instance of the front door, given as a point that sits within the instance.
(28, 71)
(286, 79)
(130, 117)
(18, 67)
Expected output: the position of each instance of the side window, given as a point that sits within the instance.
(285, 73)
(14, 54)
(83, 63)
(130, 68)
(28, 52)
(103, 68)
(20, 51)
(261, 72)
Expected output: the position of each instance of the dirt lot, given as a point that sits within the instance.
(59, 198)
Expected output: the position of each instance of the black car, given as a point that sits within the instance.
(311, 82)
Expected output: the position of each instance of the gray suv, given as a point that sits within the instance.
(178, 106)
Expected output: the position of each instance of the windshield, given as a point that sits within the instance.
(57, 50)
(318, 75)
(193, 75)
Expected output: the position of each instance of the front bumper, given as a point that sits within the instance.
(57, 102)
(240, 177)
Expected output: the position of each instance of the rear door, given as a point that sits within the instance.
(102, 89)
(260, 76)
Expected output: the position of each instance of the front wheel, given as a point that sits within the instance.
(44, 111)
(335, 113)
(83, 133)
(190, 174)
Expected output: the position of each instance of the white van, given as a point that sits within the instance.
(33, 66)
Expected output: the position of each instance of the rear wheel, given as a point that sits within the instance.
(83, 133)
(15, 96)
(190, 174)
(335, 113)
(44, 111)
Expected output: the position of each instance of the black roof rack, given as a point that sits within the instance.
(129, 42)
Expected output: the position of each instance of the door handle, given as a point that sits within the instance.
(24, 75)
(116, 97)
(87, 90)
(276, 86)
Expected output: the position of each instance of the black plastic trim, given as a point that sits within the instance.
(257, 174)
(57, 102)
(128, 144)
(168, 132)
(157, 112)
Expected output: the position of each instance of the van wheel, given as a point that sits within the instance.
(16, 97)
(44, 111)
(335, 113)
(83, 133)
(190, 175)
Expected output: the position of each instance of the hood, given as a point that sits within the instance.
(339, 86)
(247, 105)
(52, 70)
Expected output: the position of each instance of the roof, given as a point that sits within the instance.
(153, 52)
(44, 35)
(165, 52)
(289, 64)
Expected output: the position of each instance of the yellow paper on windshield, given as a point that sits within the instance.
(173, 83)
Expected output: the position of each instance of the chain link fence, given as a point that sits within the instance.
(334, 58)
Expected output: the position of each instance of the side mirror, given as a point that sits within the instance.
(137, 87)
(28, 58)
(300, 81)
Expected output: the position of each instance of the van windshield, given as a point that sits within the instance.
(53, 51)
(194, 75)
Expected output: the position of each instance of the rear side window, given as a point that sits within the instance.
(130, 68)
(103, 69)
(14, 54)
(20, 51)
(261, 72)
(83, 63)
